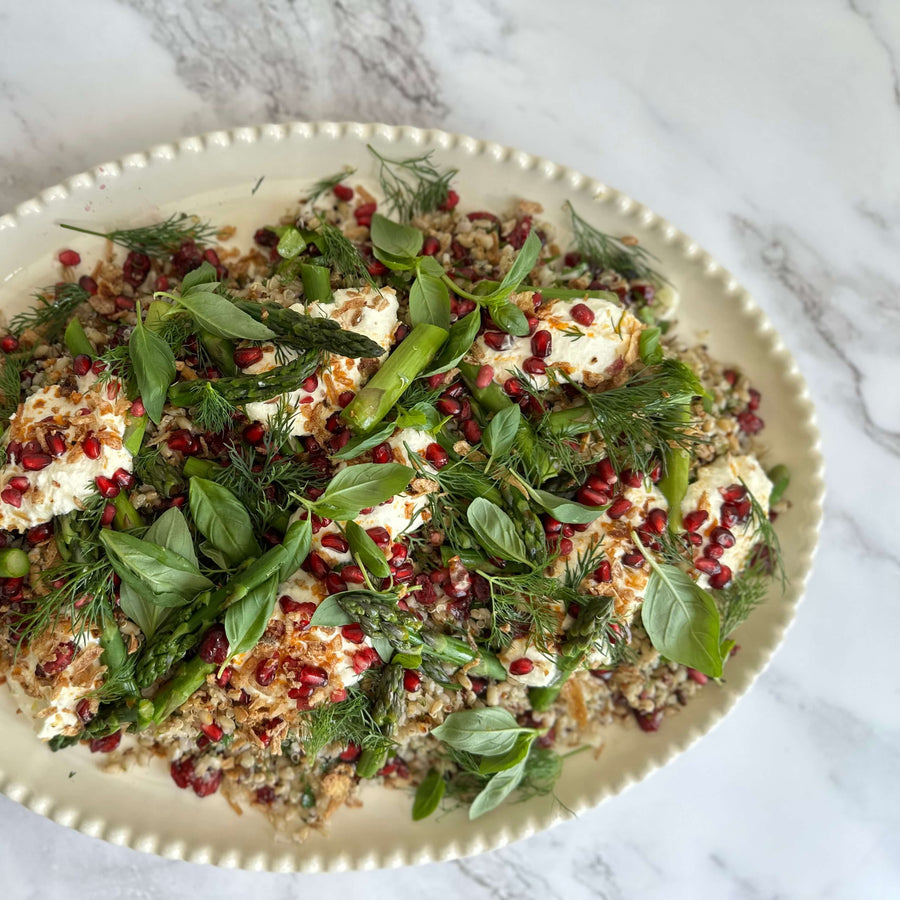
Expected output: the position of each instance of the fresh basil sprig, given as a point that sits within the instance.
(366, 550)
(569, 511)
(362, 442)
(462, 335)
(171, 531)
(681, 619)
(429, 299)
(154, 367)
(428, 795)
(500, 435)
(491, 731)
(397, 246)
(246, 620)
(495, 531)
(223, 520)
(498, 789)
(358, 487)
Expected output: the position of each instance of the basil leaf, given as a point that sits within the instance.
(428, 795)
(395, 239)
(518, 271)
(428, 265)
(429, 301)
(357, 487)
(204, 275)
(495, 530)
(682, 620)
(296, 543)
(154, 368)
(649, 347)
(510, 319)
(171, 531)
(395, 263)
(362, 442)
(330, 614)
(489, 732)
(366, 550)
(780, 476)
(501, 432)
(219, 316)
(246, 620)
(162, 571)
(462, 336)
(223, 520)
(423, 417)
(497, 790)
(383, 647)
(521, 748)
(568, 511)
(290, 243)
(215, 554)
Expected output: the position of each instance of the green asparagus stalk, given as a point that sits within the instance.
(189, 678)
(310, 332)
(76, 340)
(127, 517)
(220, 350)
(204, 468)
(316, 283)
(585, 631)
(14, 563)
(396, 374)
(387, 712)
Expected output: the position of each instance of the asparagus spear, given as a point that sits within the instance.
(387, 711)
(220, 350)
(396, 374)
(585, 631)
(14, 563)
(310, 332)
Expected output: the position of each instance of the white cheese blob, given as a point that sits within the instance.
(362, 310)
(589, 354)
(64, 484)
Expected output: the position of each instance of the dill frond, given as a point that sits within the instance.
(52, 309)
(339, 253)
(212, 412)
(347, 722)
(328, 184)
(10, 384)
(765, 536)
(747, 591)
(606, 252)
(412, 186)
(160, 239)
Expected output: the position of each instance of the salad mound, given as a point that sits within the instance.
(400, 493)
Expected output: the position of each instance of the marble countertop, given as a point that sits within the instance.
(768, 131)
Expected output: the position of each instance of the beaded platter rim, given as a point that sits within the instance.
(503, 828)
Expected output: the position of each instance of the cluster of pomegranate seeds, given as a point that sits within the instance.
(214, 646)
(184, 774)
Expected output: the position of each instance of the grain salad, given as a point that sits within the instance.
(402, 492)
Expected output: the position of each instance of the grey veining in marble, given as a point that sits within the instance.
(770, 132)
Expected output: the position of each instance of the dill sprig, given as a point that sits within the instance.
(747, 591)
(412, 186)
(11, 384)
(212, 412)
(645, 417)
(328, 184)
(52, 309)
(348, 722)
(765, 536)
(528, 599)
(160, 239)
(339, 253)
(584, 564)
(603, 251)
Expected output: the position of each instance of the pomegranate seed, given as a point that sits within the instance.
(750, 423)
(11, 496)
(56, 444)
(343, 192)
(471, 431)
(265, 670)
(317, 566)
(9, 344)
(161, 283)
(722, 536)
(351, 754)
(380, 535)
(633, 560)
(335, 542)
(109, 513)
(334, 583)
(590, 497)
(20, 483)
(707, 565)
(728, 515)
(404, 574)
(124, 303)
(353, 575)
(484, 377)
(265, 237)
(86, 283)
(534, 366)
(568, 530)
(603, 572)
(431, 246)
(449, 407)
(69, 258)
(498, 340)
(364, 659)
(412, 681)
(182, 771)
(365, 209)
(254, 433)
(699, 677)
(521, 666)
(632, 479)
(81, 364)
(34, 462)
(619, 507)
(138, 408)
(399, 553)
(715, 551)
(566, 547)
(214, 646)
(482, 216)
(733, 493)
(312, 676)
(451, 201)
(107, 487)
(376, 267)
(83, 710)
(693, 520)
(755, 397)
(39, 533)
(224, 679)
(436, 455)
(123, 478)
(106, 744)
(345, 398)
(606, 471)
(353, 633)
(513, 387)
(649, 721)
(541, 343)
(743, 508)
(247, 356)
(582, 314)
(657, 519)
(212, 731)
(208, 783)
(695, 540)
(182, 441)
(721, 579)
(338, 696)
(533, 322)
(97, 367)
(382, 453)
